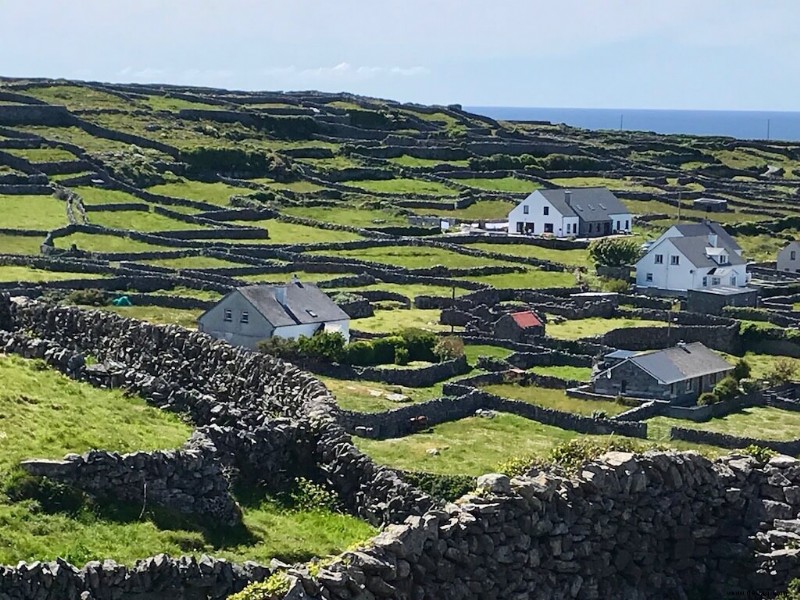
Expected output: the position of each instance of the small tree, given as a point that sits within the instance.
(324, 345)
(741, 370)
(281, 347)
(784, 369)
(610, 252)
(707, 398)
(727, 388)
(449, 347)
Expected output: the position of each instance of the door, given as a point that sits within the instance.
(548, 228)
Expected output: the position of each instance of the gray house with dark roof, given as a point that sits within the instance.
(579, 212)
(679, 374)
(248, 315)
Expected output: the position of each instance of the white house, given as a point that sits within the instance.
(789, 258)
(580, 212)
(248, 315)
(705, 228)
(677, 262)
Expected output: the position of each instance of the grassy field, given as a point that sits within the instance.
(574, 329)
(190, 292)
(284, 277)
(565, 372)
(473, 351)
(93, 195)
(368, 396)
(404, 186)
(32, 275)
(32, 212)
(191, 262)
(470, 446)
(355, 217)
(504, 184)
(44, 415)
(79, 137)
(411, 290)
(610, 183)
(79, 97)
(387, 321)
(40, 155)
(302, 187)
(20, 244)
(291, 233)
(98, 242)
(531, 278)
(140, 221)
(411, 161)
(159, 315)
(413, 257)
(555, 399)
(213, 193)
(576, 258)
(758, 422)
(482, 209)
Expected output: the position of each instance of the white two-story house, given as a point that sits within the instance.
(789, 258)
(579, 212)
(678, 262)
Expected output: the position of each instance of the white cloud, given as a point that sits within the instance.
(341, 72)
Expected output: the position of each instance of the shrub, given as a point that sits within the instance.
(90, 297)
(273, 588)
(611, 252)
(420, 343)
(748, 386)
(323, 345)
(401, 356)
(575, 453)
(707, 399)
(760, 453)
(619, 286)
(727, 388)
(782, 371)
(449, 347)
(280, 347)
(360, 353)
(741, 370)
(308, 495)
(51, 496)
(516, 465)
(792, 591)
(444, 487)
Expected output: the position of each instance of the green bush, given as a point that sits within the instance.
(707, 398)
(273, 588)
(782, 371)
(575, 453)
(614, 252)
(619, 286)
(760, 453)
(564, 162)
(90, 297)
(323, 345)
(420, 343)
(727, 388)
(748, 386)
(308, 495)
(51, 496)
(449, 347)
(516, 465)
(280, 347)
(443, 487)
(741, 370)
(401, 356)
(360, 353)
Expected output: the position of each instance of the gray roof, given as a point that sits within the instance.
(725, 291)
(680, 363)
(694, 249)
(588, 204)
(303, 303)
(706, 227)
(621, 354)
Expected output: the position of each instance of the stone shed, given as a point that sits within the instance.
(519, 326)
(712, 301)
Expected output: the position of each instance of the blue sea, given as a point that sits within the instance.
(760, 125)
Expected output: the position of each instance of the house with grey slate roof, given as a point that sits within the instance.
(679, 374)
(250, 314)
(692, 256)
(578, 212)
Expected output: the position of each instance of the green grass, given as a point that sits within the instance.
(190, 292)
(531, 278)
(763, 247)
(93, 195)
(473, 351)
(367, 396)
(387, 321)
(159, 315)
(410, 290)
(555, 399)
(213, 193)
(32, 212)
(470, 446)
(333, 163)
(139, 220)
(611, 184)
(354, 217)
(79, 137)
(565, 372)
(504, 184)
(98, 242)
(411, 161)
(284, 277)
(645, 207)
(176, 104)
(574, 329)
(292, 233)
(482, 209)
(762, 364)
(300, 187)
(29, 274)
(404, 186)
(413, 257)
(191, 262)
(79, 97)
(20, 244)
(43, 414)
(576, 258)
(40, 155)
(758, 422)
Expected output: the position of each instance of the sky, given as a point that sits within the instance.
(672, 54)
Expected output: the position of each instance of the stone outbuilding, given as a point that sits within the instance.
(712, 301)
(789, 258)
(679, 374)
(710, 204)
(519, 326)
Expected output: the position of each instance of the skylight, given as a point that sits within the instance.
(311, 312)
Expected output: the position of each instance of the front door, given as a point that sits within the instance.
(607, 228)
(548, 228)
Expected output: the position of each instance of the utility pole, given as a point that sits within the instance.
(680, 204)
(452, 327)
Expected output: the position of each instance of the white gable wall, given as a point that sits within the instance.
(536, 222)
(789, 258)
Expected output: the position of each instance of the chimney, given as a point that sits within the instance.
(280, 294)
(567, 197)
(712, 239)
(294, 279)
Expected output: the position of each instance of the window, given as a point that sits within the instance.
(689, 385)
(649, 277)
(705, 281)
(659, 259)
(228, 314)
(715, 281)
(525, 209)
(245, 317)
(627, 225)
(546, 210)
(733, 279)
(617, 225)
(793, 255)
(674, 260)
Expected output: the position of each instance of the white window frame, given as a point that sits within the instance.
(648, 277)
(525, 209)
(546, 211)
(227, 315)
(674, 260)
(245, 318)
(659, 259)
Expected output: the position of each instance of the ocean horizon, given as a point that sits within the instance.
(741, 124)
